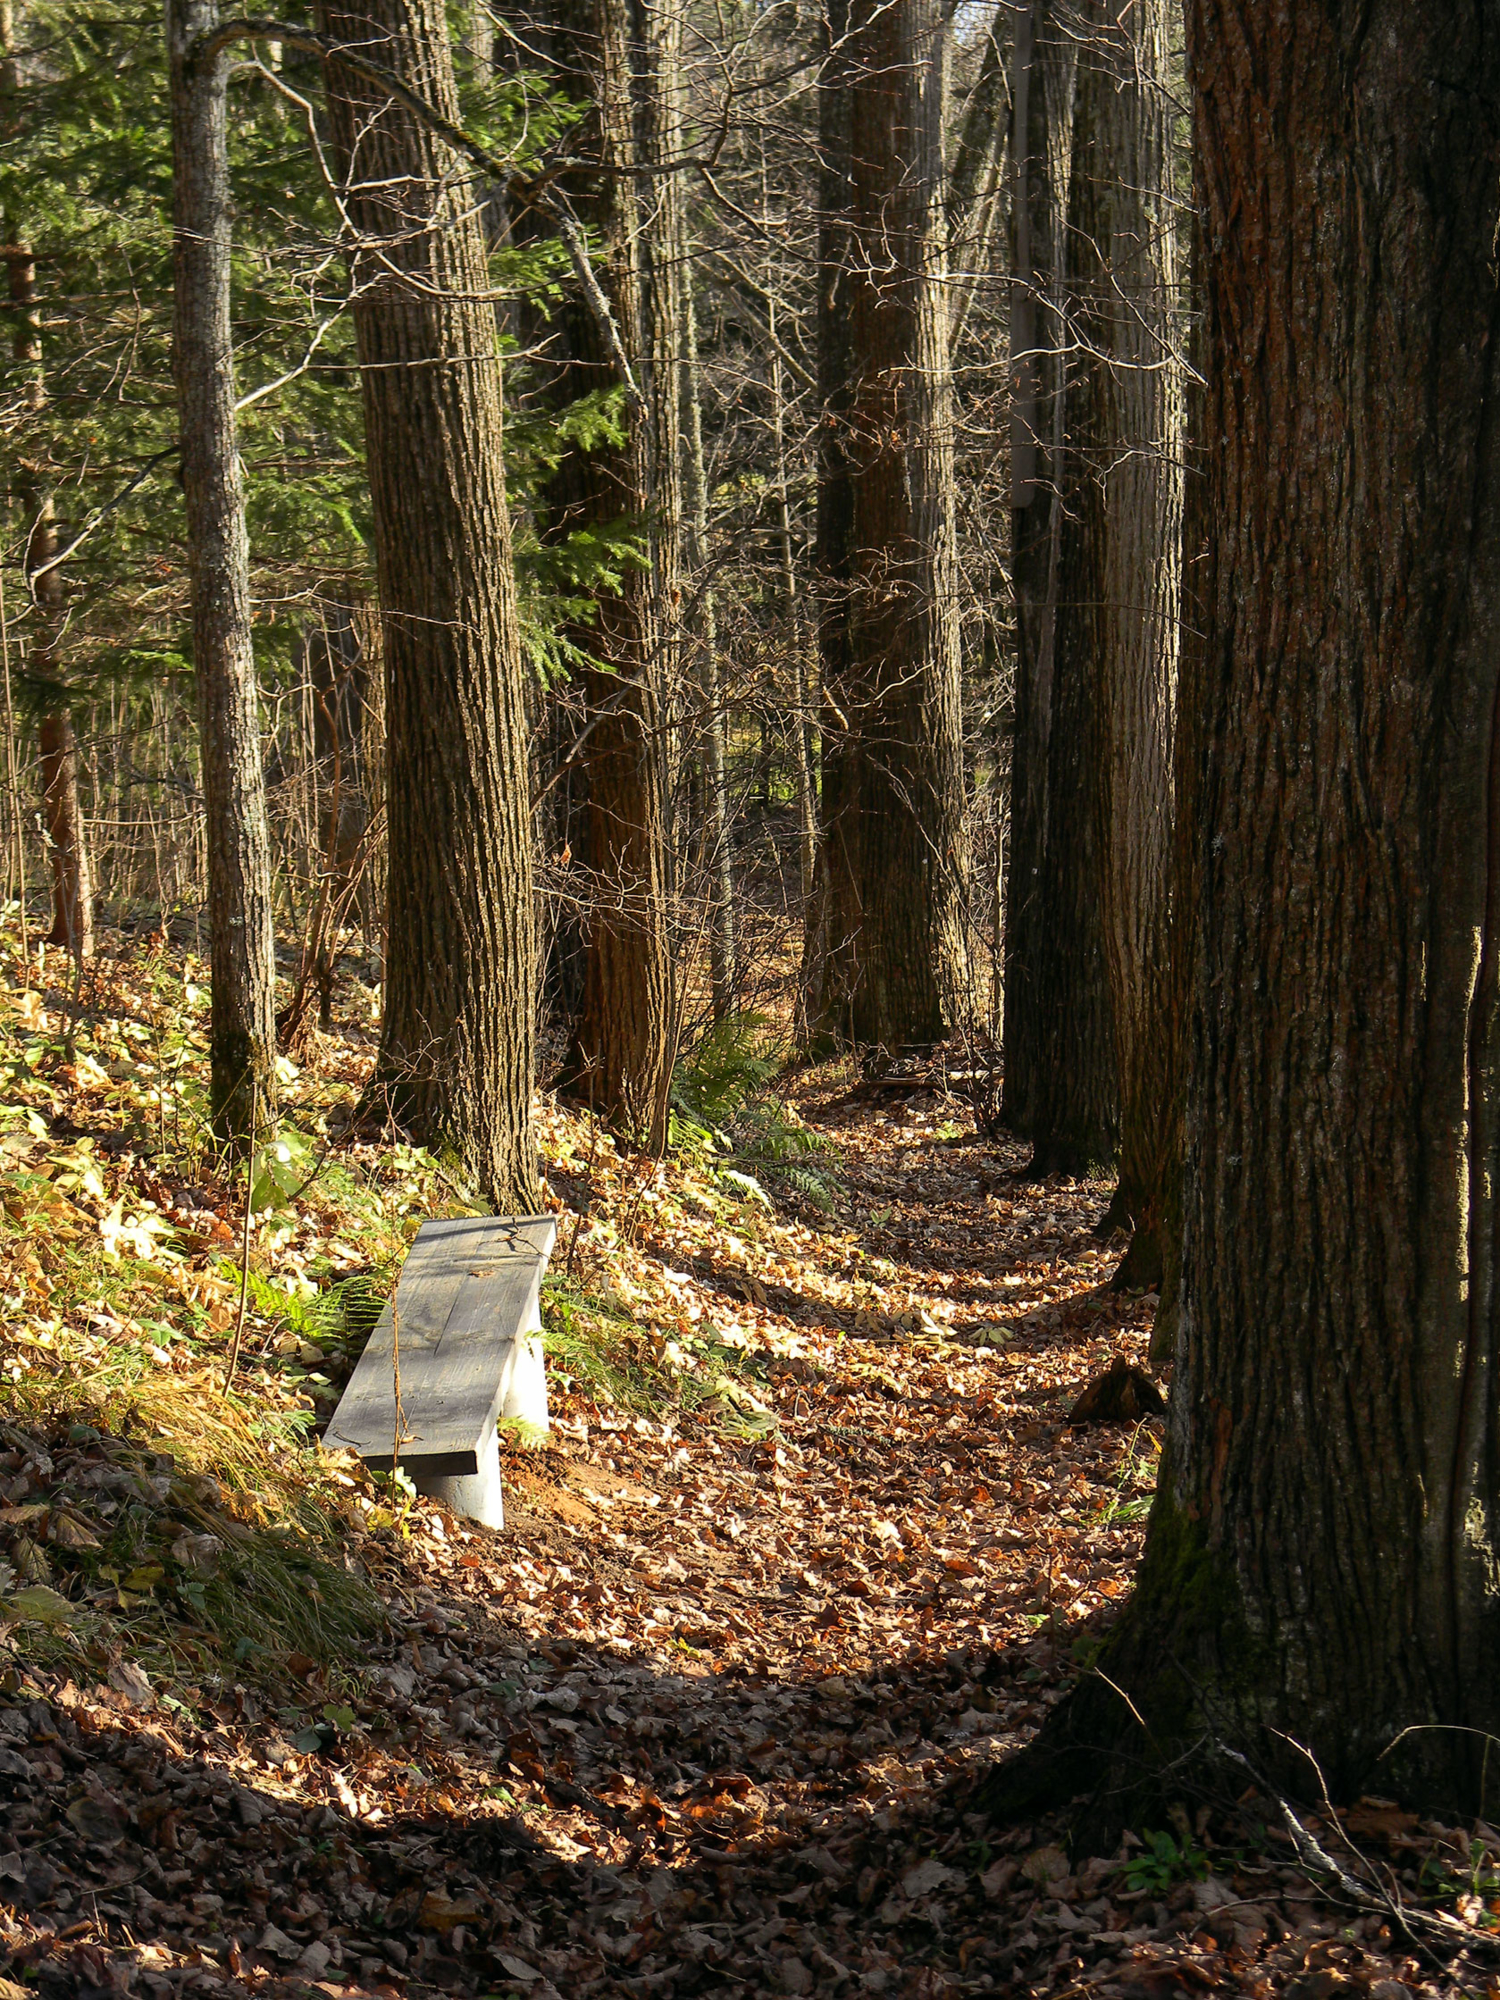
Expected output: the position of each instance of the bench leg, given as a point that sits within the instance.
(475, 1495)
(525, 1393)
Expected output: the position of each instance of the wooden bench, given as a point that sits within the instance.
(467, 1322)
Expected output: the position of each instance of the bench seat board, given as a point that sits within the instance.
(467, 1303)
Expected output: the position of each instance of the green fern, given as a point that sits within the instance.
(721, 1093)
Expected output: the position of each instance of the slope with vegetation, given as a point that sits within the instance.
(809, 1545)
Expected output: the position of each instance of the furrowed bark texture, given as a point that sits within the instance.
(619, 1058)
(894, 949)
(457, 1043)
(1324, 1555)
(1125, 316)
(1058, 1032)
(242, 960)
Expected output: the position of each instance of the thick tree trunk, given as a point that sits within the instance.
(1058, 1036)
(1320, 1567)
(242, 960)
(894, 949)
(457, 1044)
(620, 1055)
(1126, 325)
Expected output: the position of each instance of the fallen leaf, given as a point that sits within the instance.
(99, 1823)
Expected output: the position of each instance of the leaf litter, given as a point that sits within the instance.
(809, 1546)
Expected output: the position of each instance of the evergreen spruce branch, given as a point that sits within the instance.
(594, 294)
(256, 29)
(102, 514)
(534, 189)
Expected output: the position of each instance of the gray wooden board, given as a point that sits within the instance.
(466, 1297)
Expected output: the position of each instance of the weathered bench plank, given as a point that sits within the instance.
(467, 1312)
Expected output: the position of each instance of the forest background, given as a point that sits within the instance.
(664, 541)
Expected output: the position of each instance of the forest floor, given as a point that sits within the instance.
(809, 1546)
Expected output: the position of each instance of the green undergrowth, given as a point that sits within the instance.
(168, 1531)
(725, 1110)
(148, 1513)
(147, 1517)
(621, 1364)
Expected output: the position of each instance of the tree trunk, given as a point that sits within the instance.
(1321, 1560)
(1126, 325)
(1187, 774)
(713, 752)
(72, 879)
(72, 884)
(457, 1043)
(1059, 1040)
(620, 1056)
(242, 946)
(833, 916)
(1060, 1072)
(656, 31)
(796, 638)
(894, 948)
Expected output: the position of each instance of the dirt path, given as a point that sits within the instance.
(702, 1719)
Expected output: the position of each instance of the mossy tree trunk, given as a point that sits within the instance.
(1321, 1561)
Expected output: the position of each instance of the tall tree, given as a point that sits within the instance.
(620, 1055)
(1060, 1088)
(893, 948)
(1320, 1563)
(457, 1042)
(72, 881)
(722, 921)
(1121, 614)
(242, 945)
(832, 917)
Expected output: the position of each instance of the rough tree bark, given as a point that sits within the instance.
(1187, 733)
(1058, 1035)
(1127, 444)
(893, 948)
(62, 809)
(619, 1056)
(832, 918)
(457, 1042)
(1321, 1558)
(242, 960)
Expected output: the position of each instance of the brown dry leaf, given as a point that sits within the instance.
(713, 1706)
